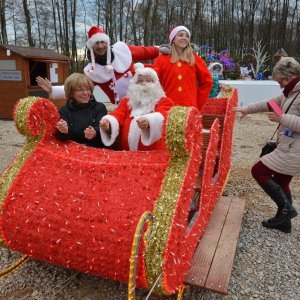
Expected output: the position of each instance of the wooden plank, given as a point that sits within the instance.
(207, 120)
(220, 272)
(205, 251)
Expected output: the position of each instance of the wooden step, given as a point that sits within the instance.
(213, 259)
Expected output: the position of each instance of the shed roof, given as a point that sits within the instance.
(30, 52)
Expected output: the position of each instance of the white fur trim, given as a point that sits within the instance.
(100, 73)
(122, 57)
(121, 63)
(109, 138)
(108, 57)
(138, 65)
(176, 30)
(143, 109)
(121, 85)
(109, 68)
(92, 60)
(145, 72)
(98, 37)
(134, 135)
(154, 132)
(58, 92)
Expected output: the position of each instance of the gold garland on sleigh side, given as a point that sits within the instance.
(146, 218)
(164, 207)
(18, 263)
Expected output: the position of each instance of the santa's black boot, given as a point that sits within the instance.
(285, 209)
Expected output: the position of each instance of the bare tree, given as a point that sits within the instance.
(66, 27)
(74, 45)
(109, 19)
(146, 19)
(154, 20)
(28, 23)
(3, 22)
(121, 19)
(291, 26)
(14, 25)
(54, 27)
(260, 57)
(61, 39)
(133, 7)
(38, 22)
(225, 24)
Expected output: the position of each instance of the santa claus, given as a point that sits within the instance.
(110, 67)
(140, 117)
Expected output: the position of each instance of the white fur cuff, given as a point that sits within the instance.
(58, 92)
(109, 138)
(154, 132)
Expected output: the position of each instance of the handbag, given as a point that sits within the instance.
(271, 145)
(268, 148)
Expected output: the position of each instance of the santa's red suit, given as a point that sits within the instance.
(186, 85)
(123, 120)
(114, 81)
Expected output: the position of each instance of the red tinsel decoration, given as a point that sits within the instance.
(78, 207)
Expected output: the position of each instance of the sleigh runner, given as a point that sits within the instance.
(81, 207)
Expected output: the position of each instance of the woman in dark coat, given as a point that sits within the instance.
(81, 114)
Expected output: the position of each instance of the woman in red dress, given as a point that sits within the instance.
(183, 74)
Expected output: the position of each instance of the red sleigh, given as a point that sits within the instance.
(85, 208)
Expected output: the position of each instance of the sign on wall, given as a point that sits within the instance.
(11, 75)
(7, 65)
(53, 75)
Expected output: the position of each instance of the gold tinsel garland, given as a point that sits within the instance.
(226, 91)
(147, 219)
(164, 207)
(18, 263)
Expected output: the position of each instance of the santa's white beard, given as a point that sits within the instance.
(143, 98)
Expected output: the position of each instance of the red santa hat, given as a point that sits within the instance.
(95, 35)
(175, 30)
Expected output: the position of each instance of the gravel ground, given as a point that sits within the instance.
(266, 264)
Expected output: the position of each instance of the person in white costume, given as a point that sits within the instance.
(110, 67)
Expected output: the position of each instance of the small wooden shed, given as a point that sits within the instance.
(19, 67)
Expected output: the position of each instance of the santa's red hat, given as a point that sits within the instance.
(175, 30)
(95, 35)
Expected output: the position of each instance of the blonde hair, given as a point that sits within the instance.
(187, 55)
(75, 81)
